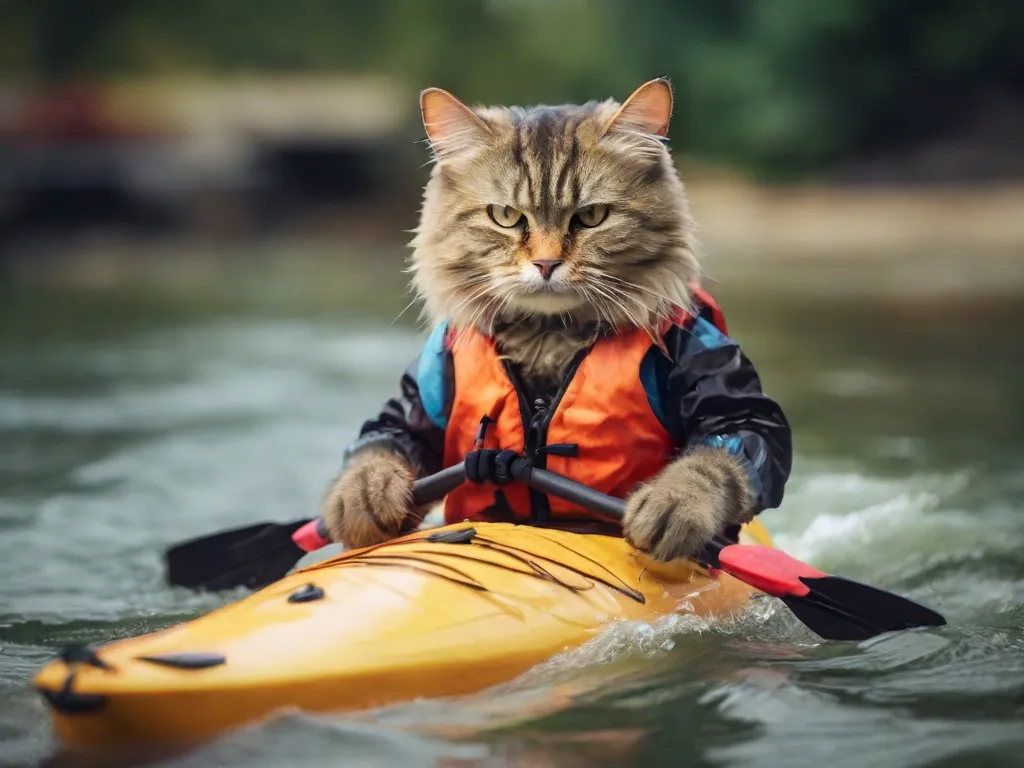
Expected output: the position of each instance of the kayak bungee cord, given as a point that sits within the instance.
(379, 555)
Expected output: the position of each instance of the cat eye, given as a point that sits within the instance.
(504, 215)
(592, 215)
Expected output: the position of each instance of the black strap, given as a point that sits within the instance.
(490, 466)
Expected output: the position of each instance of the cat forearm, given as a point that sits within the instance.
(702, 493)
(716, 399)
(766, 468)
(754, 431)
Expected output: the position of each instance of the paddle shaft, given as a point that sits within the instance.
(438, 485)
(435, 487)
(611, 506)
(831, 606)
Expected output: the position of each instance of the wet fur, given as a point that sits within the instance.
(632, 270)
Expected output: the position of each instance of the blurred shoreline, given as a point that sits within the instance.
(182, 183)
(892, 239)
(183, 150)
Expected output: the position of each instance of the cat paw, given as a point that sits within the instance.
(370, 501)
(679, 511)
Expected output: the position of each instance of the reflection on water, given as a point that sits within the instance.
(132, 419)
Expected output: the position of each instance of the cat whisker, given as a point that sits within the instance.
(422, 295)
(506, 299)
(650, 313)
(455, 290)
(618, 291)
(477, 294)
(617, 279)
(404, 310)
(599, 275)
(602, 293)
(665, 303)
(485, 313)
(659, 309)
(494, 288)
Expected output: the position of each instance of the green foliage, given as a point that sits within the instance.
(777, 87)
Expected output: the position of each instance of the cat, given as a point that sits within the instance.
(547, 229)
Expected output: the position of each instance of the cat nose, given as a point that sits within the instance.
(546, 266)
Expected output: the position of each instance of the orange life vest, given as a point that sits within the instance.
(602, 410)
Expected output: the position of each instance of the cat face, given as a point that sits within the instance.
(573, 210)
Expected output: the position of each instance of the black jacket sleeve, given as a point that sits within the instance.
(713, 396)
(404, 426)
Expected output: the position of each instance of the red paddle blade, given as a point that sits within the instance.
(832, 607)
(768, 569)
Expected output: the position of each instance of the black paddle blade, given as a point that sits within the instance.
(843, 609)
(249, 557)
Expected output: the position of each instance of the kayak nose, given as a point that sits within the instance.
(66, 700)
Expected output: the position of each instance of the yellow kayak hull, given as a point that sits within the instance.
(421, 616)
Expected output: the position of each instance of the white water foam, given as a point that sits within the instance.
(863, 522)
(854, 524)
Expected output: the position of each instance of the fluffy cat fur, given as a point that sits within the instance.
(371, 501)
(552, 166)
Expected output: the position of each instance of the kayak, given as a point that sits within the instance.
(441, 612)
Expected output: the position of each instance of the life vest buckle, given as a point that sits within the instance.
(567, 450)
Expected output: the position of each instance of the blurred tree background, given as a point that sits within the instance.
(779, 90)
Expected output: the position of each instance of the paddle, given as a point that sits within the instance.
(260, 554)
(833, 607)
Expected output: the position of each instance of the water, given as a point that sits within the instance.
(133, 418)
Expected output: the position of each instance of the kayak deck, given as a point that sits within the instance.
(435, 613)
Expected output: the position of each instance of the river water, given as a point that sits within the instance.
(131, 418)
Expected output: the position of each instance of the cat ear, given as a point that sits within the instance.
(647, 110)
(451, 126)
